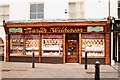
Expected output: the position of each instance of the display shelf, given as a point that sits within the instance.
(16, 50)
(23, 56)
(95, 57)
(91, 51)
(30, 53)
(51, 56)
(52, 50)
(32, 50)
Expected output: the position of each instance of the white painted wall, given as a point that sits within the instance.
(55, 9)
(113, 8)
(96, 9)
(18, 10)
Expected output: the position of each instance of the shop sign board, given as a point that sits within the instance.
(57, 29)
(15, 30)
(54, 30)
(95, 29)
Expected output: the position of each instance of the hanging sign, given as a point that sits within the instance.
(95, 29)
(15, 30)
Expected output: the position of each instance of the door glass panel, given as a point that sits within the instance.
(72, 47)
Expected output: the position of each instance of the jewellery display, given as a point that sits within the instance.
(24, 44)
(52, 46)
(32, 44)
(1, 47)
(93, 47)
(16, 45)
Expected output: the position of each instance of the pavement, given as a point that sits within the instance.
(45, 70)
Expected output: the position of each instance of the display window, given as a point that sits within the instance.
(94, 45)
(1, 47)
(32, 44)
(24, 44)
(16, 44)
(52, 45)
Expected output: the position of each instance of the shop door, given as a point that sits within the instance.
(72, 50)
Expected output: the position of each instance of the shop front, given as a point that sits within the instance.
(58, 42)
(116, 40)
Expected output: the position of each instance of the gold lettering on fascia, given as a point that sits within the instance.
(40, 30)
(54, 30)
(65, 29)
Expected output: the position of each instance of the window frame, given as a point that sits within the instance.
(75, 13)
(5, 15)
(118, 9)
(30, 12)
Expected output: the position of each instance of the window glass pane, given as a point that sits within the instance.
(72, 47)
(36, 11)
(1, 10)
(40, 15)
(32, 7)
(16, 45)
(32, 16)
(6, 10)
(72, 7)
(118, 3)
(76, 10)
(118, 12)
(40, 8)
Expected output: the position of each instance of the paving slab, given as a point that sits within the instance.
(45, 70)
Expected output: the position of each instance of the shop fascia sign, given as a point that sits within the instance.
(47, 29)
(95, 29)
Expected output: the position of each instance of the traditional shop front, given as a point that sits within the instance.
(58, 42)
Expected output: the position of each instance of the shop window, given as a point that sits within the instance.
(24, 45)
(1, 47)
(4, 12)
(119, 9)
(32, 44)
(52, 45)
(16, 44)
(76, 10)
(94, 45)
(37, 11)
